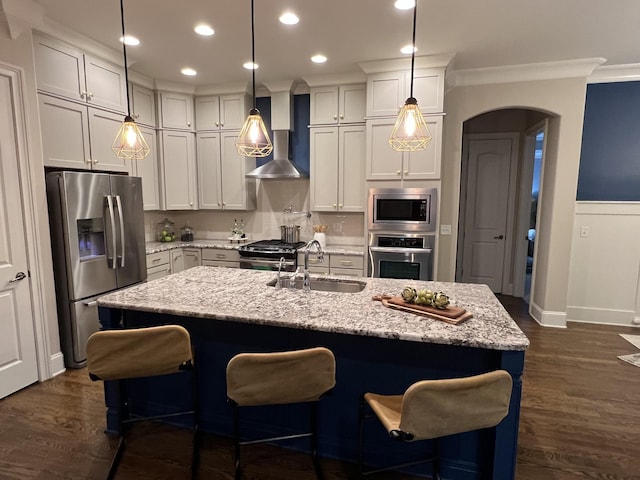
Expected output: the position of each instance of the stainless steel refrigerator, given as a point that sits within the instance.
(97, 235)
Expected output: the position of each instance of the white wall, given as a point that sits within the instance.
(604, 283)
(18, 52)
(564, 99)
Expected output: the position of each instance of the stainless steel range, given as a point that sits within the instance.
(266, 255)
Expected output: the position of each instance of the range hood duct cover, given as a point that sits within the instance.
(280, 166)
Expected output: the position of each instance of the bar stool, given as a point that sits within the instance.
(433, 409)
(300, 376)
(142, 352)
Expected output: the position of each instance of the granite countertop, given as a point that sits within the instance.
(155, 247)
(240, 295)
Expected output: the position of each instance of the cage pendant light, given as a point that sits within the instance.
(410, 132)
(129, 142)
(253, 140)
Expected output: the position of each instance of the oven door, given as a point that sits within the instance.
(271, 264)
(403, 263)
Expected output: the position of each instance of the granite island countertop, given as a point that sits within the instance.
(240, 295)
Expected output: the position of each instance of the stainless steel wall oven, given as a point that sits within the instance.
(401, 255)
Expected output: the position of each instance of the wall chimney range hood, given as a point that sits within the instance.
(281, 120)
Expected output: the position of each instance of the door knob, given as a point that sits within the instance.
(19, 276)
(499, 237)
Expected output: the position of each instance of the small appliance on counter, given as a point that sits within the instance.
(165, 231)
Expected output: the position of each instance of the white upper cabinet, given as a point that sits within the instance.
(65, 71)
(333, 105)
(143, 105)
(221, 173)
(176, 111)
(384, 163)
(77, 136)
(337, 156)
(221, 112)
(178, 168)
(147, 169)
(388, 91)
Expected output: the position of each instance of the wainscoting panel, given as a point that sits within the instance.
(604, 279)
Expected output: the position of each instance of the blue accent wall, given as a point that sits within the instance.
(299, 137)
(610, 158)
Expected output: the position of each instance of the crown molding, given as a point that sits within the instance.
(400, 64)
(166, 86)
(223, 89)
(615, 73)
(524, 73)
(20, 15)
(335, 79)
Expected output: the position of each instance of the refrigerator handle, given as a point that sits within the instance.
(114, 264)
(119, 203)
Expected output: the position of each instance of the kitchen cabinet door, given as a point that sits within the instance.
(105, 83)
(385, 94)
(147, 169)
(176, 111)
(238, 192)
(143, 105)
(233, 111)
(59, 68)
(103, 128)
(207, 113)
(64, 129)
(352, 103)
(338, 104)
(324, 105)
(209, 171)
(177, 260)
(351, 164)
(192, 257)
(426, 164)
(178, 170)
(323, 152)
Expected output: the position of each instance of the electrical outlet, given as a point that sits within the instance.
(445, 229)
(585, 230)
(337, 227)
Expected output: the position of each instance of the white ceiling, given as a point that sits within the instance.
(481, 33)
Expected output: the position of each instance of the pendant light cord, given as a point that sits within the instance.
(413, 43)
(253, 57)
(124, 51)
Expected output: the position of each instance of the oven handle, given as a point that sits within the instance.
(256, 261)
(400, 250)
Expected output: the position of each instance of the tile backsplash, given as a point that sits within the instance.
(273, 197)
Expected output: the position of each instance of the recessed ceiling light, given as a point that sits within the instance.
(190, 72)
(289, 18)
(318, 58)
(251, 66)
(130, 40)
(203, 29)
(404, 4)
(408, 49)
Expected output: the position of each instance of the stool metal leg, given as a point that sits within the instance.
(361, 437)
(236, 440)
(195, 456)
(314, 440)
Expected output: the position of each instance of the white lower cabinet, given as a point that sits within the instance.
(222, 184)
(77, 136)
(178, 170)
(177, 260)
(158, 265)
(335, 264)
(220, 257)
(337, 156)
(192, 257)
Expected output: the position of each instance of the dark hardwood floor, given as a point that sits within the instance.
(580, 419)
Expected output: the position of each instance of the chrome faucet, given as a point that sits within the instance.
(280, 265)
(306, 285)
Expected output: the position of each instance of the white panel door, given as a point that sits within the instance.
(18, 367)
(486, 212)
(178, 170)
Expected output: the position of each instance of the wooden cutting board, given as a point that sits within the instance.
(452, 315)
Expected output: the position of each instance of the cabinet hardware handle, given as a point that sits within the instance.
(406, 172)
(224, 204)
(135, 115)
(220, 255)
(92, 303)
(155, 260)
(346, 262)
(191, 203)
(88, 160)
(340, 205)
(90, 95)
(95, 161)
(334, 205)
(222, 124)
(341, 116)
(335, 117)
(398, 172)
(217, 124)
(83, 94)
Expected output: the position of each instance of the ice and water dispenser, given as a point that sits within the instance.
(91, 238)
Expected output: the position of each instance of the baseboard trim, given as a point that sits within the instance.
(56, 364)
(548, 319)
(603, 316)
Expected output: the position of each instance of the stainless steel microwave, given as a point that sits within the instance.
(402, 209)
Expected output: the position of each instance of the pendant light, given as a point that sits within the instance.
(129, 142)
(254, 140)
(410, 132)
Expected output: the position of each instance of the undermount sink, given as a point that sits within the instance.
(323, 284)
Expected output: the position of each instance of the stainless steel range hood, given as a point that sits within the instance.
(281, 166)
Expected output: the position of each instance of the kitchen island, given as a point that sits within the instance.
(228, 311)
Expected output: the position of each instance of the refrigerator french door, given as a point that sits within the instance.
(97, 233)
